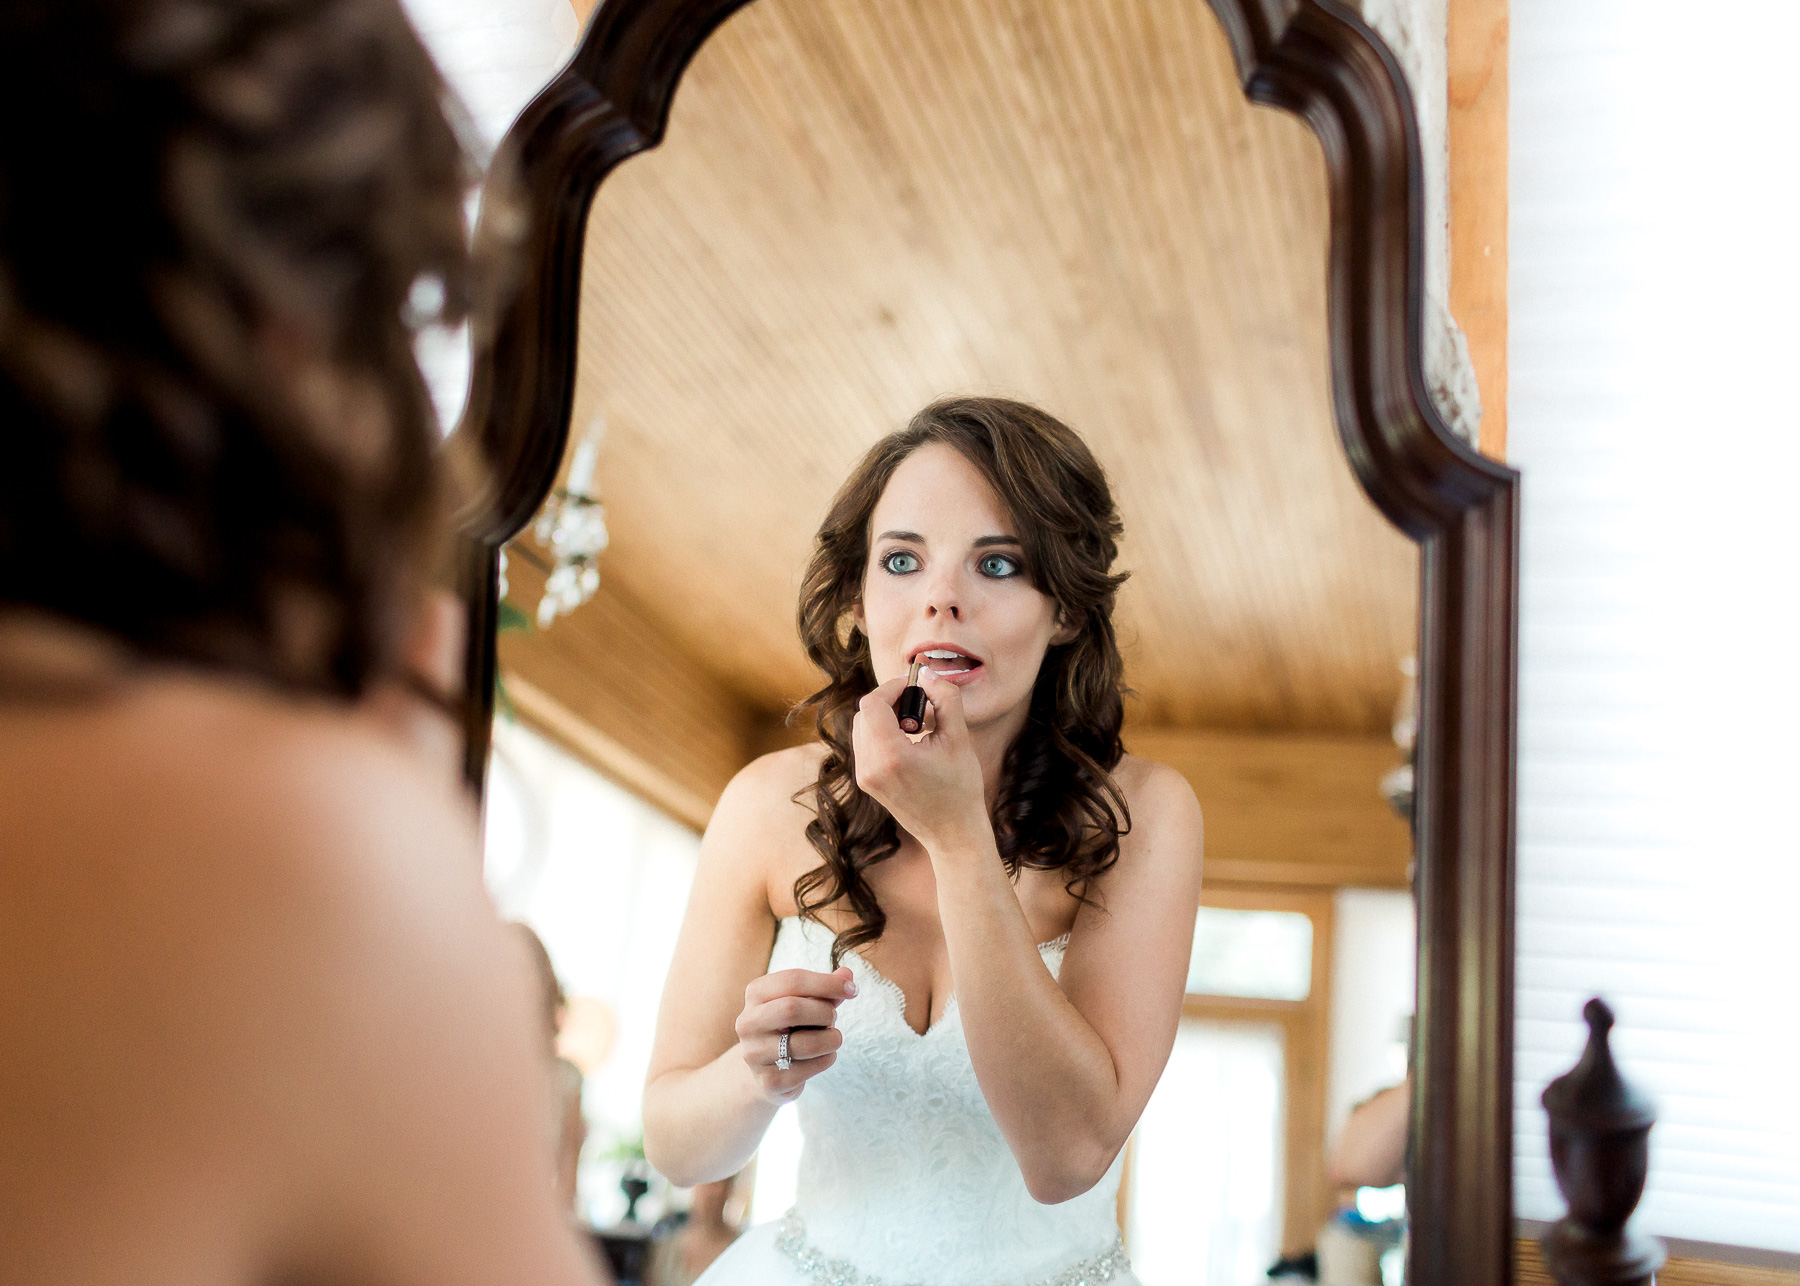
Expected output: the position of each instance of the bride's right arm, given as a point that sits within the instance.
(712, 1086)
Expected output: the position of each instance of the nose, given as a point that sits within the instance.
(943, 594)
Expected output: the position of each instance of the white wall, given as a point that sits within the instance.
(496, 55)
(1653, 349)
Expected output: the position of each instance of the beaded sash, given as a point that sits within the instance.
(821, 1270)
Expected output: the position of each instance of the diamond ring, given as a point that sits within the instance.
(782, 1059)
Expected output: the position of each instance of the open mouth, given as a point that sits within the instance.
(948, 663)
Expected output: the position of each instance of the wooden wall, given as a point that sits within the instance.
(1280, 808)
(1288, 808)
(862, 206)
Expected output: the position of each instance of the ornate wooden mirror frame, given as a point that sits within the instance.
(1317, 59)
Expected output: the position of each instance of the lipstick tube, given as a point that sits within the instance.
(910, 708)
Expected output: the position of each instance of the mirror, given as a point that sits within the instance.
(858, 209)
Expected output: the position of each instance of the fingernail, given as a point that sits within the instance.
(849, 986)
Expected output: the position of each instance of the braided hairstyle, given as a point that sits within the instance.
(1058, 808)
(221, 223)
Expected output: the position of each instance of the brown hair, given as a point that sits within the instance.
(221, 222)
(1058, 807)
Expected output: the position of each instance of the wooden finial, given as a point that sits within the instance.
(1600, 1150)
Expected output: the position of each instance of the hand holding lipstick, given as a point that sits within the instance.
(933, 786)
(910, 708)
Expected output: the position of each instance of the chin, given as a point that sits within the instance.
(981, 711)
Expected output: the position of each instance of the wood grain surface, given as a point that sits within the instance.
(1529, 1270)
(657, 721)
(861, 207)
(1289, 809)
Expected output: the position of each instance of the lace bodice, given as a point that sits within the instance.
(904, 1176)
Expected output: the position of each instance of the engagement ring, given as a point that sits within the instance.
(782, 1061)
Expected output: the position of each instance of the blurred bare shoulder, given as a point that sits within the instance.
(257, 940)
(233, 799)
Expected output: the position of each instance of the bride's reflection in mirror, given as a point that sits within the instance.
(984, 928)
(817, 251)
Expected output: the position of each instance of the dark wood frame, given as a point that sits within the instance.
(1317, 59)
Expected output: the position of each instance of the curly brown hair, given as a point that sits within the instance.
(1058, 808)
(221, 222)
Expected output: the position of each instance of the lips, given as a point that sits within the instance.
(948, 662)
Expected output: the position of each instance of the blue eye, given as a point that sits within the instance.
(999, 566)
(900, 562)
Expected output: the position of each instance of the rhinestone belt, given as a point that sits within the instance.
(823, 1271)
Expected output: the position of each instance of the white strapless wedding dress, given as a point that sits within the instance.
(904, 1178)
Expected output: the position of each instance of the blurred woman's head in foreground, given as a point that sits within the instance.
(221, 222)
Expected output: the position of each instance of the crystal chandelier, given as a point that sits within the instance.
(572, 527)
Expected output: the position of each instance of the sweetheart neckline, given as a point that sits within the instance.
(899, 994)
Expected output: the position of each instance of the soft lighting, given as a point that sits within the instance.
(589, 1031)
(1378, 1205)
(1260, 954)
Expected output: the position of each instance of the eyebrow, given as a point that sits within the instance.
(981, 542)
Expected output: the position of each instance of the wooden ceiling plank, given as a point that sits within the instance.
(863, 205)
(667, 721)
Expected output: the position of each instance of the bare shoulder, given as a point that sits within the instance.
(411, 1036)
(1159, 797)
(783, 771)
(347, 819)
(1166, 841)
(292, 820)
(756, 839)
(769, 799)
(283, 909)
(230, 841)
(193, 768)
(344, 808)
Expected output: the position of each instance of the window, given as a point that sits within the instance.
(1225, 1169)
(603, 878)
(1205, 1201)
(1263, 954)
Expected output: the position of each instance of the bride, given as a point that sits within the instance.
(964, 954)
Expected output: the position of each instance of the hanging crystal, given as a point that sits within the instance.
(572, 527)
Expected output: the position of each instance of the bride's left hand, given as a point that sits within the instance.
(933, 786)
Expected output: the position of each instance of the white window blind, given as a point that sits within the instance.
(1653, 353)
